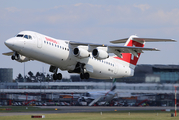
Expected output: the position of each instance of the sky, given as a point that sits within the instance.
(95, 21)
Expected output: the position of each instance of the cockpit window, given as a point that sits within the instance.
(30, 37)
(20, 35)
(26, 36)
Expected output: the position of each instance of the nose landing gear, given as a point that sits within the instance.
(15, 56)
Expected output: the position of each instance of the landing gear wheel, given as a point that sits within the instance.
(55, 76)
(16, 56)
(13, 57)
(82, 76)
(59, 76)
(86, 75)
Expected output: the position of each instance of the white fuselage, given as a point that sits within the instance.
(59, 53)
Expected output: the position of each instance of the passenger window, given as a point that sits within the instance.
(26, 36)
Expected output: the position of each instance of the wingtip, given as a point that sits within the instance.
(170, 40)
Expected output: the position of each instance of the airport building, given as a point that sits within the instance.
(82, 87)
(6, 74)
(152, 83)
(56, 92)
(154, 74)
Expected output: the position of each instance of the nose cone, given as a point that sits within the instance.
(9, 42)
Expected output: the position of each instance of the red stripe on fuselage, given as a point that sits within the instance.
(51, 40)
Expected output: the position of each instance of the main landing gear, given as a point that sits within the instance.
(79, 68)
(55, 75)
(83, 75)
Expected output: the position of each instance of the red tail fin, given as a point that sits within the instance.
(128, 57)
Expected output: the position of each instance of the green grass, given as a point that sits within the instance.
(115, 115)
(97, 116)
(22, 109)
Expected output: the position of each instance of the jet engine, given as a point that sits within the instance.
(99, 54)
(80, 52)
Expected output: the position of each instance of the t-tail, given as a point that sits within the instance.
(132, 57)
(134, 46)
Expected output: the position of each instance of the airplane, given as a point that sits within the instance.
(90, 60)
(99, 96)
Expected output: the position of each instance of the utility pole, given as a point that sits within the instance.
(175, 100)
(24, 73)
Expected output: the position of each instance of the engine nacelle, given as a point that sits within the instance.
(100, 54)
(21, 58)
(80, 52)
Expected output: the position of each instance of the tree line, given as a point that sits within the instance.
(38, 77)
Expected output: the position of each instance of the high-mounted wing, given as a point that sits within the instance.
(73, 43)
(86, 44)
(142, 40)
(90, 46)
(125, 49)
(118, 50)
